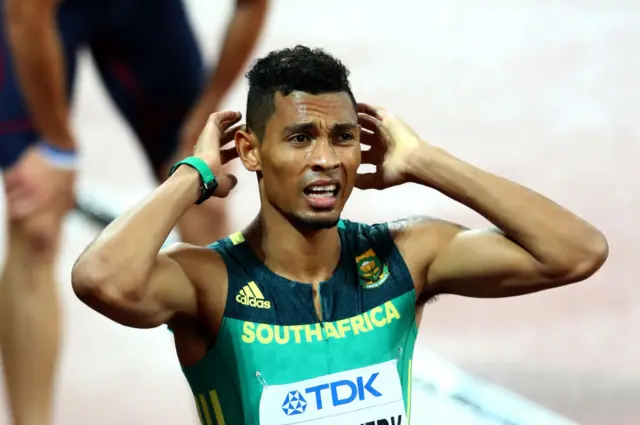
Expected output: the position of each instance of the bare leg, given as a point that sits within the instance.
(30, 318)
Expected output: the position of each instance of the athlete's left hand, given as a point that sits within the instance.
(392, 144)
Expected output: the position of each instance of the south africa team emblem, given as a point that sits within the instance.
(371, 271)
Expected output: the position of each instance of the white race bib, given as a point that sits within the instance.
(370, 395)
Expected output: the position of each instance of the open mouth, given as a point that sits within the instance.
(322, 195)
(322, 191)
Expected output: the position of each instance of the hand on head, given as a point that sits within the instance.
(210, 147)
(392, 142)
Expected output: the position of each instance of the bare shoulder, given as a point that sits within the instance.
(204, 266)
(207, 272)
(419, 239)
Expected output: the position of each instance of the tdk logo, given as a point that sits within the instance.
(294, 404)
(331, 394)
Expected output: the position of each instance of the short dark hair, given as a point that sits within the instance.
(301, 68)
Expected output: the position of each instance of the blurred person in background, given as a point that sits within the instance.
(149, 61)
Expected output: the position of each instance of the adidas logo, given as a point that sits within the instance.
(251, 296)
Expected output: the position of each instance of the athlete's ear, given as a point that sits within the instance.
(247, 144)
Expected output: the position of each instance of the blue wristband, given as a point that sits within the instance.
(61, 158)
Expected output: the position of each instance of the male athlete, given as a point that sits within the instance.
(149, 61)
(304, 317)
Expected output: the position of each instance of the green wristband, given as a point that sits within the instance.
(209, 182)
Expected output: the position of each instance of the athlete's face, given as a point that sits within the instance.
(309, 157)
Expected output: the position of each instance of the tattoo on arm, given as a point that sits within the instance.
(404, 224)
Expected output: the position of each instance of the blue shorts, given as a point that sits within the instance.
(147, 57)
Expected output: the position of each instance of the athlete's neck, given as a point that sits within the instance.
(308, 257)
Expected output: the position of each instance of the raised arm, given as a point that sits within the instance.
(536, 244)
(122, 274)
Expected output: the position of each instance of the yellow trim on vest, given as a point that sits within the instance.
(409, 395)
(236, 238)
(217, 408)
(205, 409)
(199, 410)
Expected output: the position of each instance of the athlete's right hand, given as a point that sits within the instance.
(216, 134)
(34, 186)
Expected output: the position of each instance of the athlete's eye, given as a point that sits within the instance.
(347, 136)
(300, 138)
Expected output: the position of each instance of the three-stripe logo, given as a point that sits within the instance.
(251, 296)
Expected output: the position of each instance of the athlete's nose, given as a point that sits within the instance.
(323, 156)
